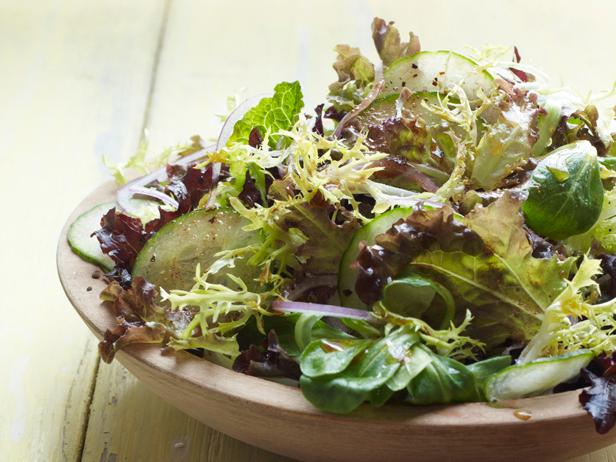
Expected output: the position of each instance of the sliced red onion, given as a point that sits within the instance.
(367, 101)
(138, 186)
(154, 194)
(324, 310)
(227, 128)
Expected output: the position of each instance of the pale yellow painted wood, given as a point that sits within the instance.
(569, 40)
(129, 423)
(73, 85)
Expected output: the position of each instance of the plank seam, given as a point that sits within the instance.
(154, 73)
(146, 118)
(84, 433)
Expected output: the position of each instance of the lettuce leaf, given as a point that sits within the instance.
(603, 232)
(572, 322)
(507, 143)
(355, 76)
(486, 263)
(500, 226)
(271, 115)
(388, 44)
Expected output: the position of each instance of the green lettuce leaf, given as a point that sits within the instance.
(355, 76)
(271, 115)
(500, 226)
(506, 144)
(603, 232)
(505, 287)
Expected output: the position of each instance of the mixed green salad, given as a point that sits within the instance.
(441, 229)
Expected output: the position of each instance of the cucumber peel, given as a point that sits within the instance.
(536, 377)
(80, 238)
(437, 71)
(347, 275)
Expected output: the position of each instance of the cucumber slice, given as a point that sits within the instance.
(429, 71)
(536, 377)
(170, 257)
(348, 275)
(384, 107)
(82, 242)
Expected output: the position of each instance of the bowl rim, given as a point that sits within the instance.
(83, 292)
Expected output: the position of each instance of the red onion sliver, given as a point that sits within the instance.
(154, 194)
(367, 101)
(324, 310)
(139, 185)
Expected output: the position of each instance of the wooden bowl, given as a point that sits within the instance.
(277, 418)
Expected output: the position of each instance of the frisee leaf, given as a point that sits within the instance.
(571, 323)
(222, 310)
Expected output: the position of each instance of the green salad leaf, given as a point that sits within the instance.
(565, 195)
(506, 144)
(603, 233)
(271, 115)
(355, 77)
(505, 287)
(354, 381)
(572, 322)
(443, 380)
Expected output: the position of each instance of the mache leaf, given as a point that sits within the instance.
(344, 391)
(324, 357)
(444, 380)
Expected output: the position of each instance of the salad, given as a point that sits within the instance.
(441, 229)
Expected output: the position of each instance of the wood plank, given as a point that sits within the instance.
(73, 85)
(212, 50)
(128, 422)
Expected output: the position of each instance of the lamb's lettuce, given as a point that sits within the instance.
(565, 194)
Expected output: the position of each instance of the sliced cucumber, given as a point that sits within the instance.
(82, 242)
(536, 377)
(384, 107)
(348, 275)
(170, 257)
(429, 71)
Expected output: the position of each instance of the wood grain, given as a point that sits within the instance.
(70, 89)
(128, 420)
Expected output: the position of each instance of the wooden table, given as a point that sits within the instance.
(82, 79)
